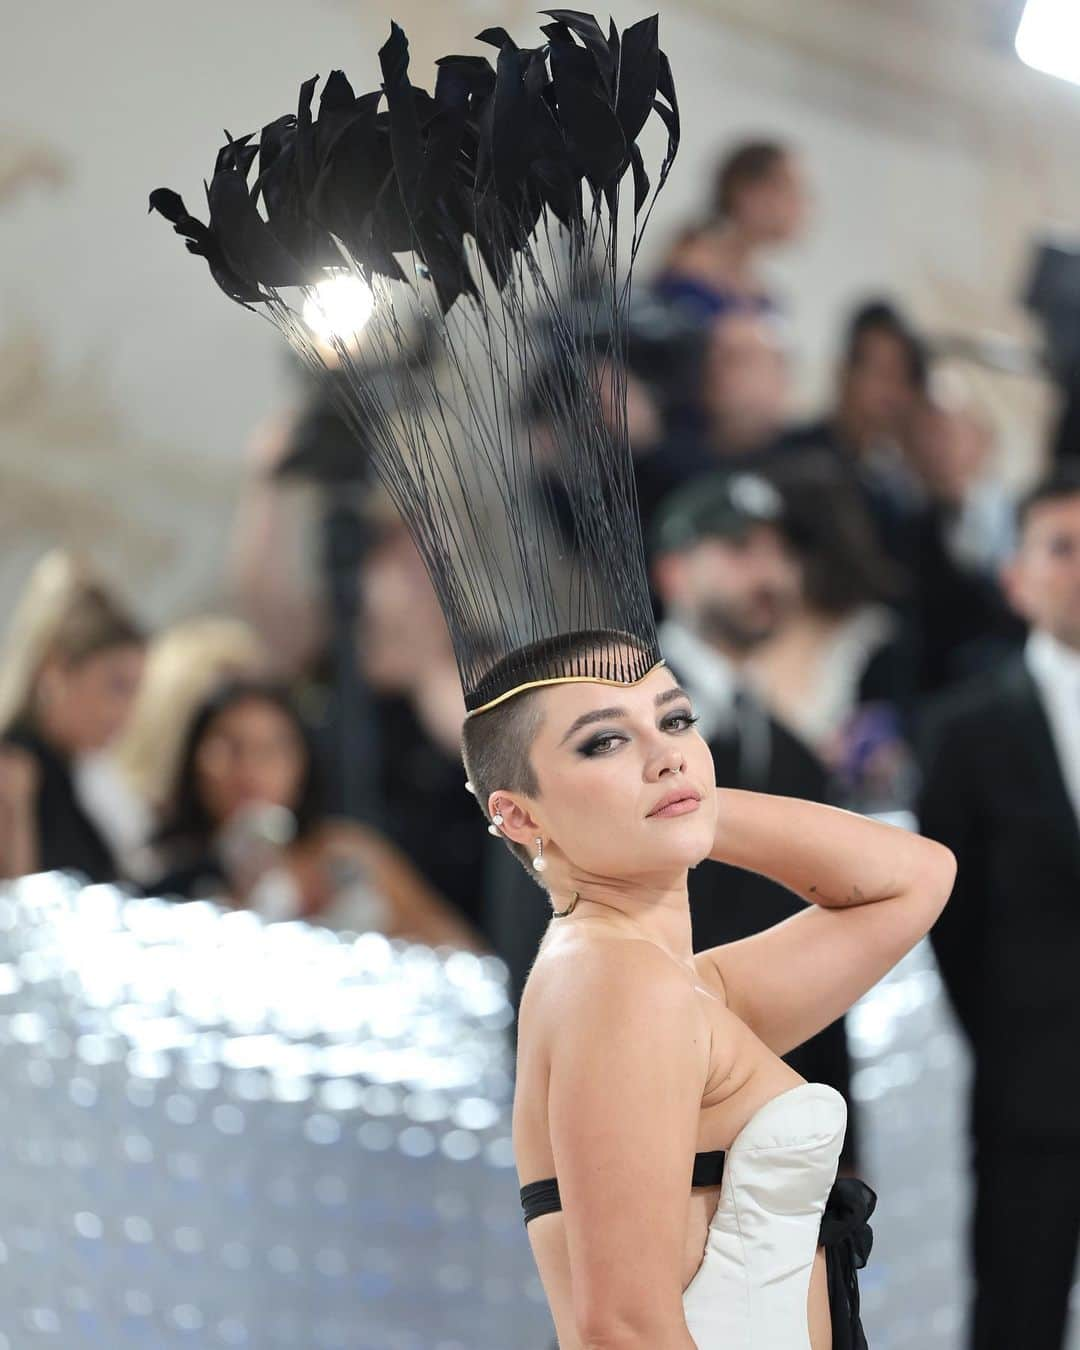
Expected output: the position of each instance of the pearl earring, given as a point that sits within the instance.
(496, 821)
(539, 862)
(469, 787)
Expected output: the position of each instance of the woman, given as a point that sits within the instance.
(245, 819)
(759, 202)
(634, 1053)
(631, 1051)
(68, 679)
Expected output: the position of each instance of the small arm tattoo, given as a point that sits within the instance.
(855, 897)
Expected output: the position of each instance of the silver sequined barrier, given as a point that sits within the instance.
(910, 1074)
(223, 1133)
(218, 1132)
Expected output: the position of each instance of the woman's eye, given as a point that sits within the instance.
(688, 718)
(594, 745)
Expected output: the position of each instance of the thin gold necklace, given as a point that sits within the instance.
(562, 913)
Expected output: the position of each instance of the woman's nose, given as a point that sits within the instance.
(670, 760)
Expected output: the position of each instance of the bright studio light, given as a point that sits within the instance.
(339, 307)
(1048, 38)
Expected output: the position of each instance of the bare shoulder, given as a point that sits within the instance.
(601, 954)
(611, 982)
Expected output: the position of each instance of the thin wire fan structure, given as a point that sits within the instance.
(485, 217)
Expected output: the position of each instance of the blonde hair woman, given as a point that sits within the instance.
(69, 672)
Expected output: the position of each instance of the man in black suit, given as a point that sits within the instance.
(727, 574)
(1001, 769)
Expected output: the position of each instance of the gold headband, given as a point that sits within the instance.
(563, 679)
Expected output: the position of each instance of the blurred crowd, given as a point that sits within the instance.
(860, 608)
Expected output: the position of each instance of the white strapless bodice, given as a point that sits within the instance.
(750, 1291)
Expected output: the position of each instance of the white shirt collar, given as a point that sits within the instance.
(1055, 668)
(1051, 661)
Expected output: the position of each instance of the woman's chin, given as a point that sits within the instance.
(698, 845)
(685, 842)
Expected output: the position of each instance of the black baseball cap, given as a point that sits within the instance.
(718, 505)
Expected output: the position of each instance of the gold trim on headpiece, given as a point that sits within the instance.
(563, 679)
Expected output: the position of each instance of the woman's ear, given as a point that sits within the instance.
(517, 821)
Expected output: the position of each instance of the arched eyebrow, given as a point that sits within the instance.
(603, 714)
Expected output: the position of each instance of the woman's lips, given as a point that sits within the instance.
(679, 808)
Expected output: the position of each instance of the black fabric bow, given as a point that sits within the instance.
(847, 1238)
(399, 169)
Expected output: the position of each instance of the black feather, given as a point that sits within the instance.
(485, 219)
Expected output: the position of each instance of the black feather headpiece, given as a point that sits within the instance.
(484, 220)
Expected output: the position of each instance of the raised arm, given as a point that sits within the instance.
(629, 1062)
(874, 890)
